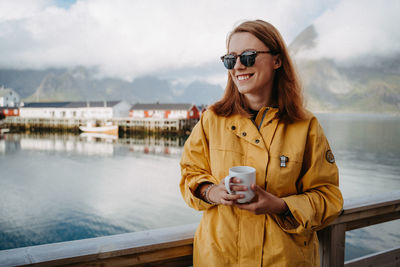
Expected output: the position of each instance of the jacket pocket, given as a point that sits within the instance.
(283, 172)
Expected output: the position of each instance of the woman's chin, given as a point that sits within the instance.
(245, 90)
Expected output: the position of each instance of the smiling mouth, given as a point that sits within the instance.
(244, 77)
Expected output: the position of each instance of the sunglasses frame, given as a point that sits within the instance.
(242, 56)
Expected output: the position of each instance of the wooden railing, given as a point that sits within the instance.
(359, 213)
(173, 246)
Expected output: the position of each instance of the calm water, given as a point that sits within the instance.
(56, 188)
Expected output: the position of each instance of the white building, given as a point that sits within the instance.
(76, 110)
(9, 98)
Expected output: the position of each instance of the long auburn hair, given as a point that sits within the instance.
(286, 89)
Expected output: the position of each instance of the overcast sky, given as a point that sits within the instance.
(128, 38)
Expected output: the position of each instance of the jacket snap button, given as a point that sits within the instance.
(233, 127)
(244, 133)
(257, 141)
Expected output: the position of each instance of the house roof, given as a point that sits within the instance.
(96, 104)
(161, 106)
(45, 105)
(81, 104)
(6, 91)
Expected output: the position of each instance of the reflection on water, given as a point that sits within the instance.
(367, 151)
(90, 144)
(65, 187)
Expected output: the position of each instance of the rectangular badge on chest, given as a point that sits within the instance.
(284, 160)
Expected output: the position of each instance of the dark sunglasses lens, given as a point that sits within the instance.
(248, 58)
(229, 62)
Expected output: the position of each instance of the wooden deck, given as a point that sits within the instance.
(173, 246)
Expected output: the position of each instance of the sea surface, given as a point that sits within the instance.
(57, 188)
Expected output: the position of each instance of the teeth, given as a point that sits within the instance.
(243, 77)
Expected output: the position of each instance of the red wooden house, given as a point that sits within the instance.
(164, 111)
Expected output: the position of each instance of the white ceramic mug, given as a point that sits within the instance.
(247, 176)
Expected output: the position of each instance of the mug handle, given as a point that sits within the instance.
(227, 184)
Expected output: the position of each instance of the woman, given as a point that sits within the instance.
(260, 122)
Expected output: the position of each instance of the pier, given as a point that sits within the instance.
(173, 246)
(125, 125)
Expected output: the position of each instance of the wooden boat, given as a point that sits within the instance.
(3, 128)
(107, 128)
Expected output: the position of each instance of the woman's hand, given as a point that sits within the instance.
(264, 202)
(219, 195)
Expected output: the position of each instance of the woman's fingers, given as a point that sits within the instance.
(218, 194)
(236, 180)
(234, 187)
(228, 199)
(232, 197)
(257, 189)
(239, 188)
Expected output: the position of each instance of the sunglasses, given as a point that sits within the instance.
(247, 58)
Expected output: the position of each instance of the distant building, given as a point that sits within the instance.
(164, 111)
(9, 102)
(76, 110)
(202, 108)
(8, 111)
(8, 97)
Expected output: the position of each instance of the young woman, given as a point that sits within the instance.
(260, 122)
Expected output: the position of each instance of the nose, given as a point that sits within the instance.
(238, 64)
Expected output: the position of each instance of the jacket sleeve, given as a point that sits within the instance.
(320, 200)
(195, 165)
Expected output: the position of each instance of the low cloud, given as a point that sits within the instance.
(127, 39)
(358, 31)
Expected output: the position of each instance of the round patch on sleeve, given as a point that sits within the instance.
(329, 156)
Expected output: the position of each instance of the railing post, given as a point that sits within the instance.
(332, 242)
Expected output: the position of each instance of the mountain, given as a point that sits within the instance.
(372, 87)
(208, 93)
(80, 84)
(25, 82)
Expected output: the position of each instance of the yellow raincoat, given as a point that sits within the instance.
(307, 182)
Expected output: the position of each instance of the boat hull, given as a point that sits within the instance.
(112, 129)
